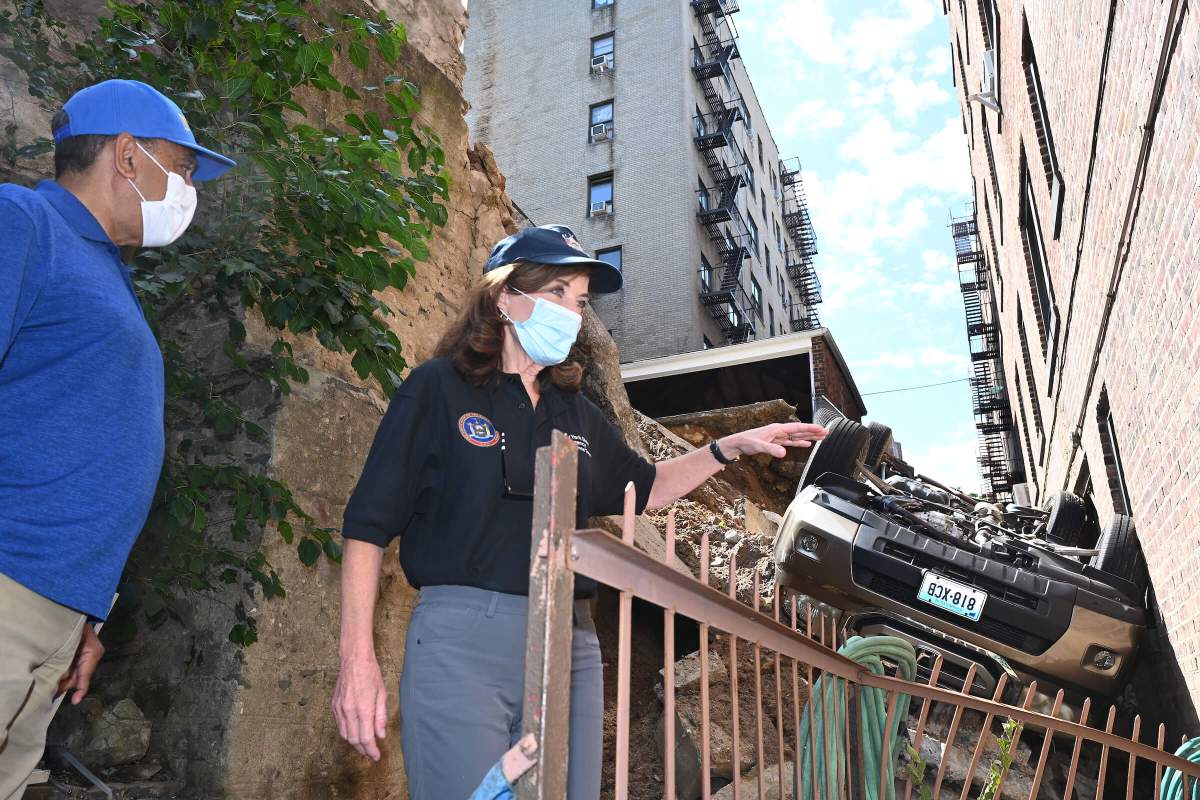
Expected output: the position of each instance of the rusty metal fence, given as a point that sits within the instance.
(799, 649)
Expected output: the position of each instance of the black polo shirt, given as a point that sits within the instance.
(433, 476)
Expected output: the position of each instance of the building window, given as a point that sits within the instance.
(612, 255)
(1032, 473)
(600, 195)
(771, 312)
(1112, 456)
(706, 274)
(701, 128)
(600, 121)
(756, 296)
(760, 155)
(602, 3)
(1041, 125)
(753, 233)
(603, 51)
(707, 344)
(1041, 285)
(762, 199)
(1031, 383)
(991, 159)
(767, 259)
(999, 293)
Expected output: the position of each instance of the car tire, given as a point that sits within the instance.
(839, 452)
(1068, 519)
(1121, 554)
(881, 440)
(826, 416)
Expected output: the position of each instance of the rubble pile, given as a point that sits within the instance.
(740, 517)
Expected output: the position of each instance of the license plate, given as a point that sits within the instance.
(955, 597)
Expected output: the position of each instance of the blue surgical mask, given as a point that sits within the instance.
(549, 333)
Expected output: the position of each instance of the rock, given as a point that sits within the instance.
(732, 537)
(602, 378)
(757, 478)
(120, 734)
(650, 540)
(756, 521)
(748, 786)
(688, 730)
(1018, 784)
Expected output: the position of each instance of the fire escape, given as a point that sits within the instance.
(999, 465)
(721, 289)
(798, 258)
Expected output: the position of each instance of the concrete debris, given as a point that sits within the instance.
(111, 736)
(748, 787)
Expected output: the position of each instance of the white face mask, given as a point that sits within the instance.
(164, 221)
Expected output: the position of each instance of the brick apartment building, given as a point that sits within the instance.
(1078, 263)
(635, 123)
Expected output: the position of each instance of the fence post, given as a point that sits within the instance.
(548, 637)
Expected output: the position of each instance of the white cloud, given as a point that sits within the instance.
(812, 116)
(932, 361)
(937, 65)
(950, 459)
(807, 27)
(909, 95)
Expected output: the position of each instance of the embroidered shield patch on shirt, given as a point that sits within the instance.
(478, 429)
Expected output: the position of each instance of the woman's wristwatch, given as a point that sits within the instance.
(715, 449)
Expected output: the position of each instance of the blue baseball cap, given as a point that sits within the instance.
(554, 244)
(121, 106)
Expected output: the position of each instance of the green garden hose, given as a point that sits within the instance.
(827, 707)
(1172, 787)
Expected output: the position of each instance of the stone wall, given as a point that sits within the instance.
(282, 739)
(256, 723)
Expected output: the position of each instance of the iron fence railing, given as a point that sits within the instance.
(796, 647)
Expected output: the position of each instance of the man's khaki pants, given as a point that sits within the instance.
(38, 639)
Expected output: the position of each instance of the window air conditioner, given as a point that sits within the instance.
(601, 63)
(601, 132)
(987, 91)
(602, 209)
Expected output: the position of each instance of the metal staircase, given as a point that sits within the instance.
(798, 259)
(721, 289)
(1000, 465)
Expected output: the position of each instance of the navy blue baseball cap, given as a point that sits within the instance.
(121, 106)
(554, 244)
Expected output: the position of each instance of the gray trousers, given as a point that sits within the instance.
(462, 686)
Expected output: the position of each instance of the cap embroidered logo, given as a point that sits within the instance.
(478, 429)
(573, 242)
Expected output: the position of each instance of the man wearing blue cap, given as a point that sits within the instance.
(81, 389)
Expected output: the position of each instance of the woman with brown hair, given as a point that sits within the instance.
(451, 473)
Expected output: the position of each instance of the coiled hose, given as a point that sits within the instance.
(1172, 787)
(827, 707)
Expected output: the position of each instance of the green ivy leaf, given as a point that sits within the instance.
(309, 551)
(359, 55)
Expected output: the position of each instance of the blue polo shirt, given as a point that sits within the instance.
(81, 401)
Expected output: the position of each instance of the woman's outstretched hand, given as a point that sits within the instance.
(773, 439)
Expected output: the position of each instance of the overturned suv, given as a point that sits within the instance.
(1035, 593)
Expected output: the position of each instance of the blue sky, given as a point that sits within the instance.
(862, 93)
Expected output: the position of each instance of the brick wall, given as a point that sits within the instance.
(1120, 266)
(831, 381)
